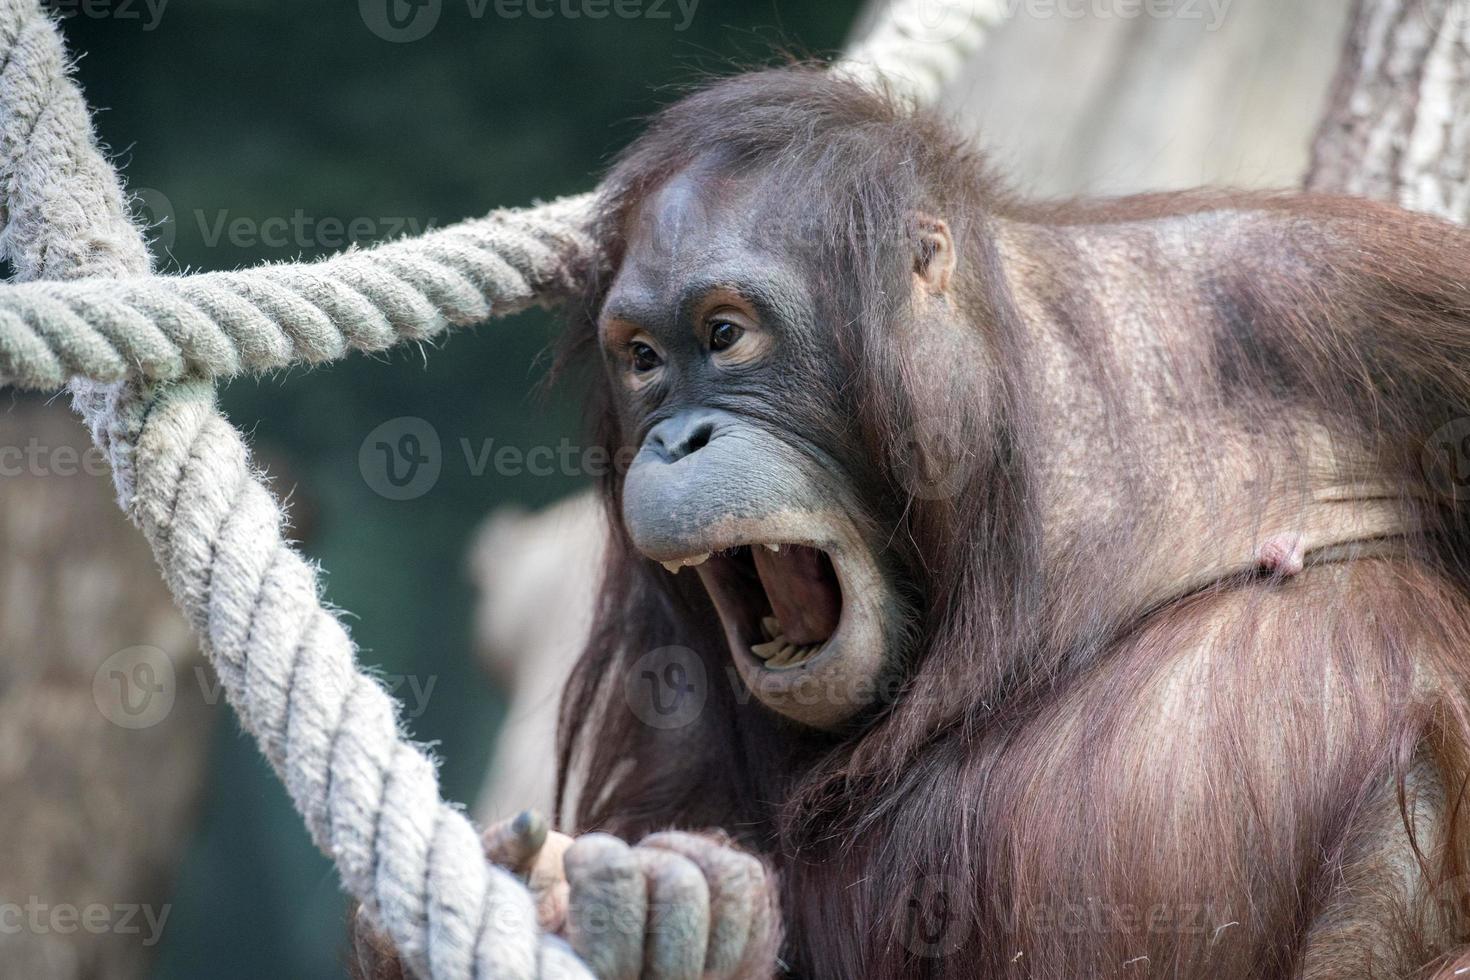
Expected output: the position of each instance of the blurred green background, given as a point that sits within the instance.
(226, 114)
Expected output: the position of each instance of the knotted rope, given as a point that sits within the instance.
(370, 797)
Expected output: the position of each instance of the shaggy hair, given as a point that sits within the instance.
(1051, 776)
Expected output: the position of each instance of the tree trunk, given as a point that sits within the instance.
(104, 721)
(537, 576)
(1398, 125)
(1089, 100)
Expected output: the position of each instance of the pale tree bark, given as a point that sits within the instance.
(1121, 97)
(104, 720)
(1398, 126)
(537, 576)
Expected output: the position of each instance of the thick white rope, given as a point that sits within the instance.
(916, 47)
(219, 324)
(369, 796)
(66, 224)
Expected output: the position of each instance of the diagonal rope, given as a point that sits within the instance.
(142, 352)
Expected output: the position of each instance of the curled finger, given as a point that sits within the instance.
(607, 908)
(677, 937)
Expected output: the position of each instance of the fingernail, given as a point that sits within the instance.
(530, 826)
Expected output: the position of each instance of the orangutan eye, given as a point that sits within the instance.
(645, 358)
(723, 333)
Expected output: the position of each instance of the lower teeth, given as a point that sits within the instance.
(778, 652)
(770, 648)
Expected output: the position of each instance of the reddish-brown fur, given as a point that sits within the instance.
(1083, 776)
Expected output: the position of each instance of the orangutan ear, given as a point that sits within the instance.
(934, 254)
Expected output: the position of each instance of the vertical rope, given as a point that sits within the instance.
(370, 798)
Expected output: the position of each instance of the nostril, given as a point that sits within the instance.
(699, 437)
(680, 437)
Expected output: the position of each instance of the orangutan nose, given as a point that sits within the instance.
(683, 435)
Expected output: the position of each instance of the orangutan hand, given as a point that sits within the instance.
(678, 906)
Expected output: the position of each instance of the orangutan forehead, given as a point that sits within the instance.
(693, 202)
(700, 223)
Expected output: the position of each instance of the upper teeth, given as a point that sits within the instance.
(773, 547)
(679, 563)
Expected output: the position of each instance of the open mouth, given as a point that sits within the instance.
(809, 616)
(781, 602)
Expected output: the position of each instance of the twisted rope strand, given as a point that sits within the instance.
(52, 228)
(215, 325)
